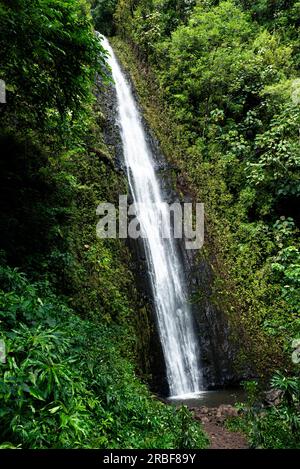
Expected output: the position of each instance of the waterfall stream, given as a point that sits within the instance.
(174, 319)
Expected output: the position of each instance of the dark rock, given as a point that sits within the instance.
(272, 398)
(217, 351)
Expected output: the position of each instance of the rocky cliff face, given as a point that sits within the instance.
(217, 352)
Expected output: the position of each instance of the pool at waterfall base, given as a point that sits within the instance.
(212, 398)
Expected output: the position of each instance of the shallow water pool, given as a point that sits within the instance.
(209, 398)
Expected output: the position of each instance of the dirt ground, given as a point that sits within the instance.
(213, 420)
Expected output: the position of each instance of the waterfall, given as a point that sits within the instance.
(174, 319)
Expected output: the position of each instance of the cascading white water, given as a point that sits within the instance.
(175, 324)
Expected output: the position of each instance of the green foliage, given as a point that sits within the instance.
(187, 434)
(271, 10)
(277, 161)
(223, 75)
(65, 383)
(271, 427)
(251, 389)
(273, 431)
(287, 270)
(69, 321)
(49, 56)
(225, 80)
(149, 22)
(278, 426)
(102, 12)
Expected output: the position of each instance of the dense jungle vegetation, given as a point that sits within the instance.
(68, 305)
(225, 76)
